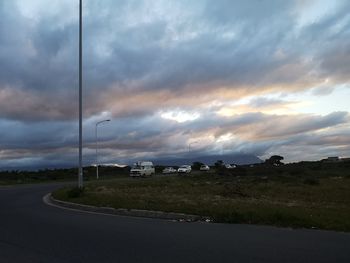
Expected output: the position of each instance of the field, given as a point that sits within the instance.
(306, 194)
(54, 175)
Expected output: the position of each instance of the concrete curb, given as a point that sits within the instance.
(48, 199)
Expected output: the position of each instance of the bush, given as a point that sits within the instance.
(297, 171)
(230, 217)
(75, 192)
(196, 165)
(239, 171)
(221, 170)
(311, 181)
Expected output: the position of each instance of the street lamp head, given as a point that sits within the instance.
(99, 122)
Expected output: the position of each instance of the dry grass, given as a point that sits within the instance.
(283, 200)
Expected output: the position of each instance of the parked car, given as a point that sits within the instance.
(230, 166)
(184, 169)
(142, 169)
(204, 167)
(169, 170)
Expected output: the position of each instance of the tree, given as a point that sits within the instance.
(219, 163)
(196, 165)
(275, 160)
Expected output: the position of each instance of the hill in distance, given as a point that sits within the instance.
(210, 159)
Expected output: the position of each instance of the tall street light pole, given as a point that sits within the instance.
(97, 144)
(80, 172)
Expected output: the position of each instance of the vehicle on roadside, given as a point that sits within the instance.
(142, 168)
(184, 169)
(169, 170)
(230, 166)
(204, 167)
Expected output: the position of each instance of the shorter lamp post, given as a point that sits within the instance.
(189, 146)
(97, 145)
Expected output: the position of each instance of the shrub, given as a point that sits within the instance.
(311, 181)
(297, 171)
(222, 170)
(75, 192)
(239, 171)
(196, 165)
(229, 217)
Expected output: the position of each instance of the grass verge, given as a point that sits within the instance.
(281, 200)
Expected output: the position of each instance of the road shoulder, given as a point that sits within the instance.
(50, 200)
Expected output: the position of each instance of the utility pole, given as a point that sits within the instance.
(80, 172)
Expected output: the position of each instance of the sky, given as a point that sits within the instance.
(256, 77)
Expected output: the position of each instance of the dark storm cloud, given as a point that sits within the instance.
(36, 55)
(129, 47)
(38, 68)
(283, 126)
(288, 135)
(142, 58)
(258, 126)
(38, 135)
(268, 130)
(328, 42)
(155, 136)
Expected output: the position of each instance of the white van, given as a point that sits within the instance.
(142, 169)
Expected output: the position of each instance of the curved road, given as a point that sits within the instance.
(31, 231)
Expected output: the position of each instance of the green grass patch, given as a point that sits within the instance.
(59, 175)
(287, 197)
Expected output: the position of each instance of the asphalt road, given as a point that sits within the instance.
(31, 231)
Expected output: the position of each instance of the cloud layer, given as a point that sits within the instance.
(231, 76)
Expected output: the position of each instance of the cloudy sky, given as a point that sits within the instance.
(260, 77)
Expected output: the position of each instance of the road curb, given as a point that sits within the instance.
(124, 212)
